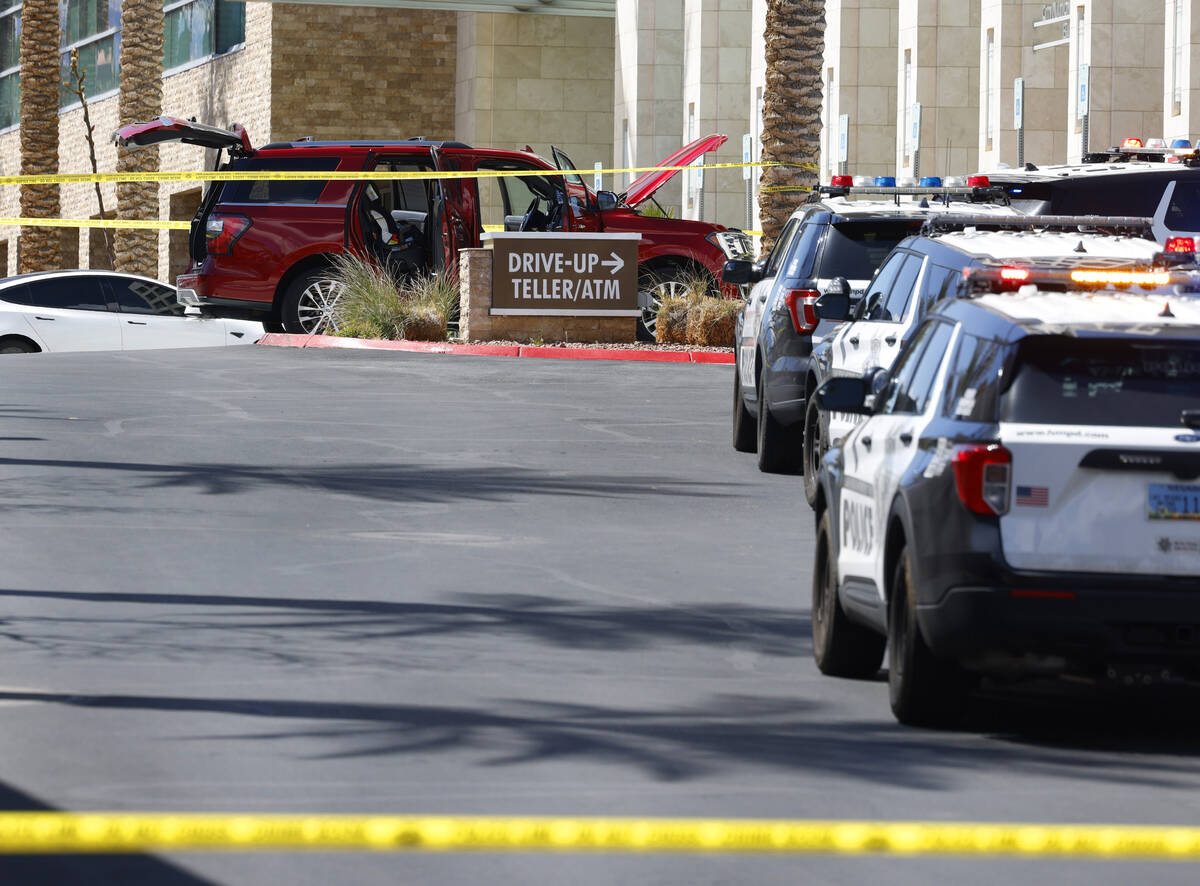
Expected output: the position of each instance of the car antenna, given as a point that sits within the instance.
(1166, 311)
(1080, 247)
(924, 204)
(1029, 167)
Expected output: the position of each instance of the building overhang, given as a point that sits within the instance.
(598, 8)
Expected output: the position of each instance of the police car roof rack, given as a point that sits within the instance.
(990, 194)
(1099, 224)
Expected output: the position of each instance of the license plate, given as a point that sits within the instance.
(1174, 501)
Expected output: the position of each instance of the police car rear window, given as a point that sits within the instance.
(855, 249)
(268, 191)
(1073, 381)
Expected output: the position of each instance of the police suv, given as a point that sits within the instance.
(842, 231)
(926, 268)
(1023, 497)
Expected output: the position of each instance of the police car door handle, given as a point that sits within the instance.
(891, 339)
(906, 438)
(854, 340)
(866, 441)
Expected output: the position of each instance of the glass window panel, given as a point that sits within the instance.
(81, 293)
(231, 24)
(10, 41)
(145, 297)
(10, 100)
(98, 62)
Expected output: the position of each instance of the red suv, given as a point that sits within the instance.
(261, 249)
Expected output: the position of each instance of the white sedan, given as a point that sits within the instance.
(105, 311)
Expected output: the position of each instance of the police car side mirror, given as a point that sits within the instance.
(844, 394)
(739, 272)
(606, 200)
(878, 381)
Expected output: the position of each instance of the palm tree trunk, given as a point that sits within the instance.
(140, 99)
(795, 41)
(39, 249)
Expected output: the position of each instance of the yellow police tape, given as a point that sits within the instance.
(93, 832)
(154, 224)
(235, 175)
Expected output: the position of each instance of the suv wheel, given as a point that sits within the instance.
(840, 647)
(924, 691)
(816, 444)
(744, 438)
(657, 285)
(310, 305)
(779, 448)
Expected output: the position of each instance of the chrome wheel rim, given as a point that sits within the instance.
(657, 292)
(317, 308)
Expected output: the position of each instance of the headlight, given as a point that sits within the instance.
(734, 244)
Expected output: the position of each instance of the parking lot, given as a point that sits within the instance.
(275, 580)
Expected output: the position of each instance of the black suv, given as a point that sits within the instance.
(835, 241)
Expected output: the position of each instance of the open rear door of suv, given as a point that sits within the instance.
(168, 129)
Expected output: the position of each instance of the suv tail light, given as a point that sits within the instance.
(983, 477)
(222, 231)
(802, 305)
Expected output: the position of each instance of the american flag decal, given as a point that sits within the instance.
(1033, 496)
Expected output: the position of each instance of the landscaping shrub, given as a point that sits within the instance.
(375, 305)
(712, 321)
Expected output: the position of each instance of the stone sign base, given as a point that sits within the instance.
(477, 323)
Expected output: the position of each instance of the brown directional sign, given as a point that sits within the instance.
(564, 274)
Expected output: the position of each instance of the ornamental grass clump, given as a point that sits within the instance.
(712, 322)
(375, 305)
(678, 297)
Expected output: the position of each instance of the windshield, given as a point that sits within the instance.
(855, 249)
(1065, 380)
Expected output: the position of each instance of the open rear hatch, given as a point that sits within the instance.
(1105, 467)
(167, 129)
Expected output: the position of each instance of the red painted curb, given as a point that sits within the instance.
(606, 354)
(286, 340)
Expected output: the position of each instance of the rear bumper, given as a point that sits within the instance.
(204, 287)
(1084, 620)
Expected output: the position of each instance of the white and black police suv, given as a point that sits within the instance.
(925, 268)
(1023, 497)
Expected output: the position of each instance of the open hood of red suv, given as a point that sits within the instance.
(168, 129)
(645, 185)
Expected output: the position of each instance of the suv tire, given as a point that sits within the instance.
(744, 431)
(923, 690)
(840, 647)
(814, 447)
(779, 448)
(310, 302)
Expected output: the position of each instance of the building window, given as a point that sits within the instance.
(93, 28)
(989, 75)
(692, 176)
(10, 63)
(1177, 57)
(194, 30)
(906, 132)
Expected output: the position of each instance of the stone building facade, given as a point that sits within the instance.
(627, 90)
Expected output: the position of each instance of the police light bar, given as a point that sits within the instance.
(998, 279)
(1124, 224)
(1121, 278)
(991, 194)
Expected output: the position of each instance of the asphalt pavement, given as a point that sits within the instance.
(275, 580)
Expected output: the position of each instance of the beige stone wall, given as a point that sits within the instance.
(1122, 41)
(1181, 119)
(716, 78)
(860, 45)
(1045, 74)
(361, 72)
(648, 89)
(231, 88)
(942, 37)
(536, 80)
